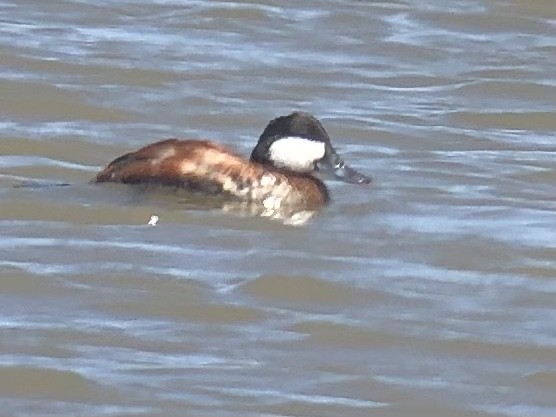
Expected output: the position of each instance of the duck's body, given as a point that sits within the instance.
(207, 166)
(278, 173)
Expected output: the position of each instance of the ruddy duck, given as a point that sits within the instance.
(278, 174)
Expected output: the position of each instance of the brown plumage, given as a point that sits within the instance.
(208, 166)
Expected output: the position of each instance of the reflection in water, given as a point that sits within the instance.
(178, 198)
(288, 215)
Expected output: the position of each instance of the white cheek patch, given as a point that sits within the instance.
(299, 154)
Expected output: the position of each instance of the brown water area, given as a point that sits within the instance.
(431, 292)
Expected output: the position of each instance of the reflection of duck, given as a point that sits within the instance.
(277, 175)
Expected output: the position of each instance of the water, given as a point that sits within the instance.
(429, 293)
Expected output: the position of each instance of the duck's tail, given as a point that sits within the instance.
(40, 184)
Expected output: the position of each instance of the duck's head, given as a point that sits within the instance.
(299, 142)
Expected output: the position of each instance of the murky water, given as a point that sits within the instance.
(430, 293)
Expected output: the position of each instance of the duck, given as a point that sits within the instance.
(279, 173)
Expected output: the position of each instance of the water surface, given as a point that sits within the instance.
(429, 293)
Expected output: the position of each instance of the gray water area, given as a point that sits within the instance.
(430, 292)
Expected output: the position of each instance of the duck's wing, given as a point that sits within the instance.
(170, 162)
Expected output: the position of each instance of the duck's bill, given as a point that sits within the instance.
(347, 174)
(333, 162)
